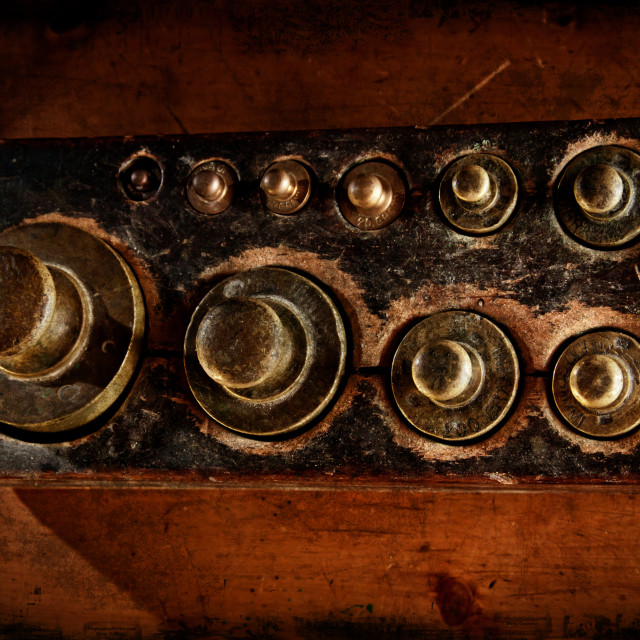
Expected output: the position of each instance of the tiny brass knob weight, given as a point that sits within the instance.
(371, 195)
(478, 193)
(265, 351)
(285, 187)
(71, 327)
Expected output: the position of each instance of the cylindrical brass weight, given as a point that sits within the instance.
(597, 196)
(265, 352)
(211, 187)
(285, 187)
(478, 193)
(455, 375)
(371, 195)
(595, 384)
(71, 327)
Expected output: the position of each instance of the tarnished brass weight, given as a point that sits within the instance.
(597, 196)
(140, 178)
(371, 195)
(285, 187)
(211, 187)
(72, 324)
(455, 375)
(478, 193)
(596, 384)
(265, 351)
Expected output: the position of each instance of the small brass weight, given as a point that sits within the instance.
(265, 351)
(71, 327)
(596, 384)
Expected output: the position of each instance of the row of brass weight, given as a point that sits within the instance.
(266, 349)
(595, 195)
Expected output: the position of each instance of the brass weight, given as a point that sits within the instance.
(455, 375)
(595, 384)
(478, 193)
(597, 196)
(285, 187)
(265, 351)
(371, 195)
(72, 318)
(211, 187)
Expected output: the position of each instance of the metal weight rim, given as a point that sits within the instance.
(71, 396)
(324, 366)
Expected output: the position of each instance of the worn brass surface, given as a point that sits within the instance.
(455, 375)
(371, 195)
(265, 351)
(595, 383)
(86, 354)
(597, 196)
(285, 187)
(478, 193)
(211, 187)
(28, 296)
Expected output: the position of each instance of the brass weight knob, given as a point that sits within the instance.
(41, 313)
(595, 384)
(471, 184)
(371, 195)
(596, 196)
(71, 327)
(455, 375)
(265, 351)
(478, 193)
(599, 190)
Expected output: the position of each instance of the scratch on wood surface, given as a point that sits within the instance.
(637, 271)
(471, 92)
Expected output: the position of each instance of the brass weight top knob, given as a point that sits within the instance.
(599, 190)
(28, 297)
(41, 314)
(243, 343)
(278, 183)
(71, 327)
(208, 185)
(597, 381)
(367, 191)
(446, 371)
(471, 183)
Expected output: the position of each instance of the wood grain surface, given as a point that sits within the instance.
(281, 562)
